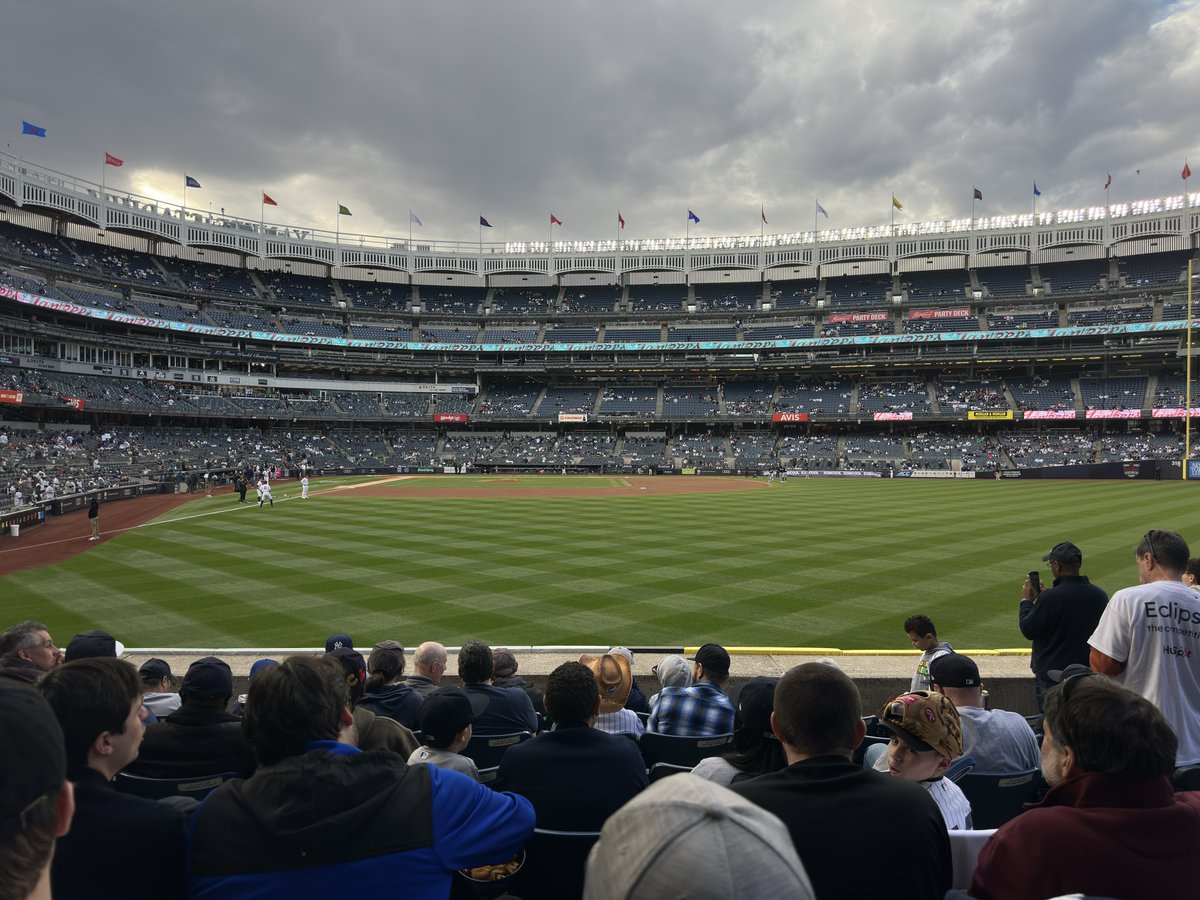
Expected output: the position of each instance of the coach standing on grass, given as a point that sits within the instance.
(1060, 619)
(94, 518)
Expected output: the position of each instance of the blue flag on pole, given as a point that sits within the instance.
(692, 217)
(412, 217)
(189, 181)
(30, 128)
(821, 209)
(1036, 192)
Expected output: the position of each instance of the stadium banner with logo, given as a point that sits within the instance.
(1049, 414)
(935, 473)
(1173, 412)
(572, 417)
(983, 415)
(891, 416)
(856, 317)
(12, 397)
(74, 402)
(1113, 414)
(789, 417)
(831, 473)
(450, 417)
(1194, 470)
(960, 313)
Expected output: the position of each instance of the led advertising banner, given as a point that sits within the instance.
(983, 415)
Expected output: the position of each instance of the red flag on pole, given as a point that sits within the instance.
(110, 160)
(1187, 172)
(555, 220)
(268, 201)
(620, 219)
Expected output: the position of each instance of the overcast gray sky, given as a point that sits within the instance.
(518, 109)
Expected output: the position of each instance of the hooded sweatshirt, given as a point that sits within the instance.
(312, 824)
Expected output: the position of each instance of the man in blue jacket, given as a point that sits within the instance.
(319, 814)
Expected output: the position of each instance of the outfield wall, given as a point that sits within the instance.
(1139, 469)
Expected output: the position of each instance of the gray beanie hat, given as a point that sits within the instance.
(688, 837)
(673, 671)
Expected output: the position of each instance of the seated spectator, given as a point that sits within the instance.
(614, 680)
(672, 671)
(200, 738)
(259, 664)
(445, 721)
(384, 693)
(926, 738)
(637, 701)
(509, 709)
(93, 645)
(840, 814)
(999, 741)
(684, 837)
(350, 818)
(158, 687)
(27, 651)
(371, 732)
(1111, 824)
(429, 665)
(339, 641)
(98, 704)
(504, 675)
(702, 709)
(574, 775)
(756, 749)
(36, 800)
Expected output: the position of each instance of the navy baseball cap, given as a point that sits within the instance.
(338, 641)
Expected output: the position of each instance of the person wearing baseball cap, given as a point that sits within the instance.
(339, 641)
(1060, 619)
(371, 731)
(1000, 742)
(926, 738)
(36, 800)
(701, 709)
(158, 687)
(445, 720)
(686, 837)
(93, 644)
(200, 738)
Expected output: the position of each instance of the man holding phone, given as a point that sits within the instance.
(1060, 619)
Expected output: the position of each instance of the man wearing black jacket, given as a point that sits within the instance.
(200, 738)
(1060, 619)
(98, 704)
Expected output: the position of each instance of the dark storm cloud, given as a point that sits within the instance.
(516, 110)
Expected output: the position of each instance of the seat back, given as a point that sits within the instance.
(997, 798)
(661, 770)
(197, 787)
(964, 854)
(555, 862)
(488, 749)
(859, 757)
(680, 750)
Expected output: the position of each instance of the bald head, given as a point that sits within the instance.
(429, 660)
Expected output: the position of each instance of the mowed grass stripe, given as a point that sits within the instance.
(809, 562)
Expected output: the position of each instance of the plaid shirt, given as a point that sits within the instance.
(697, 711)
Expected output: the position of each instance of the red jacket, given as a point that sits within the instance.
(1097, 834)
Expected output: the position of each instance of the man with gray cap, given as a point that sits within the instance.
(1060, 619)
(686, 837)
(36, 800)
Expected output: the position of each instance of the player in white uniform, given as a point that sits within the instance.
(264, 493)
(304, 486)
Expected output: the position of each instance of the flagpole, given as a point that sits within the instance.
(814, 251)
(410, 229)
(337, 227)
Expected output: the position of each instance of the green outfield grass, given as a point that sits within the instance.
(810, 563)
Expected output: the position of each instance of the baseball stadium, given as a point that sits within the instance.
(787, 440)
